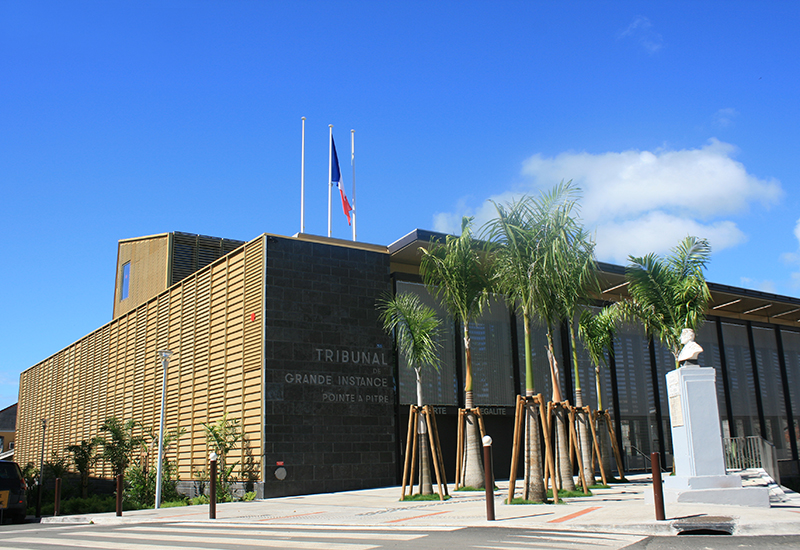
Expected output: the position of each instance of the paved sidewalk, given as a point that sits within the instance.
(619, 509)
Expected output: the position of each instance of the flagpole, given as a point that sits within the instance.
(330, 174)
(303, 178)
(353, 162)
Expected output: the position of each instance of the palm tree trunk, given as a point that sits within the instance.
(562, 439)
(473, 467)
(425, 485)
(564, 462)
(585, 440)
(533, 488)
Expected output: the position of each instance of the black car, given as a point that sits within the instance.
(13, 502)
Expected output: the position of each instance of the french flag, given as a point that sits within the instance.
(336, 178)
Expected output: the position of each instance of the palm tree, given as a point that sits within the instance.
(597, 333)
(512, 240)
(118, 449)
(668, 295)
(84, 456)
(416, 330)
(564, 262)
(457, 274)
(579, 279)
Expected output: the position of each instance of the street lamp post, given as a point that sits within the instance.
(41, 472)
(164, 354)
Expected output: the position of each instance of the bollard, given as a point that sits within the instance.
(119, 495)
(57, 506)
(488, 477)
(212, 492)
(658, 493)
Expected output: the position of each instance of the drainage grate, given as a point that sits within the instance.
(705, 525)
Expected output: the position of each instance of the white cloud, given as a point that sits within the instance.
(645, 201)
(657, 231)
(793, 258)
(641, 30)
(724, 117)
(764, 286)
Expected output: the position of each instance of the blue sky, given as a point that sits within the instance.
(122, 119)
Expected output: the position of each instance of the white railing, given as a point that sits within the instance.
(751, 451)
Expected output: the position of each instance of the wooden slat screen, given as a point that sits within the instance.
(213, 323)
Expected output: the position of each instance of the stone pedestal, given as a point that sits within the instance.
(700, 474)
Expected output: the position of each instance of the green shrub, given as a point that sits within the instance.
(249, 496)
(174, 503)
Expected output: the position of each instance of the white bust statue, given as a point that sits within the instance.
(691, 349)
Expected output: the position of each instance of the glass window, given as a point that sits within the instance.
(791, 350)
(769, 378)
(636, 396)
(492, 364)
(740, 376)
(710, 357)
(540, 364)
(438, 388)
(125, 281)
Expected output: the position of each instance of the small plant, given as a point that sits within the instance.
(249, 496)
(520, 500)
(84, 456)
(222, 437)
(174, 503)
(424, 497)
(568, 494)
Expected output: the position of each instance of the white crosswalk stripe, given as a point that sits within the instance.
(299, 532)
(560, 540)
(180, 537)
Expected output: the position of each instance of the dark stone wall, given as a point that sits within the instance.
(330, 410)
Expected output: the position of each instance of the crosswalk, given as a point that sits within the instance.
(559, 540)
(181, 536)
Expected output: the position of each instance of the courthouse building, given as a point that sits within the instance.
(282, 334)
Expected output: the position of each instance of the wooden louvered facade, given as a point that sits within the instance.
(213, 322)
(157, 262)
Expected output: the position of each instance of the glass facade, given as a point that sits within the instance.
(640, 373)
(740, 376)
(769, 378)
(791, 352)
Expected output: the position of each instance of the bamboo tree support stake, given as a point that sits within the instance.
(614, 445)
(477, 412)
(460, 450)
(549, 458)
(590, 417)
(428, 412)
(516, 444)
(461, 455)
(409, 444)
(414, 454)
(438, 449)
(574, 437)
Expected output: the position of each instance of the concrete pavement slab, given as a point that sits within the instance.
(620, 508)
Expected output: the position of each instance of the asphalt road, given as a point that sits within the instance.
(177, 536)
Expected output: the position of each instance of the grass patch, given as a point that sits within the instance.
(568, 494)
(520, 500)
(469, 488)
(598, 486)
(174, 504)
(418, 496)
